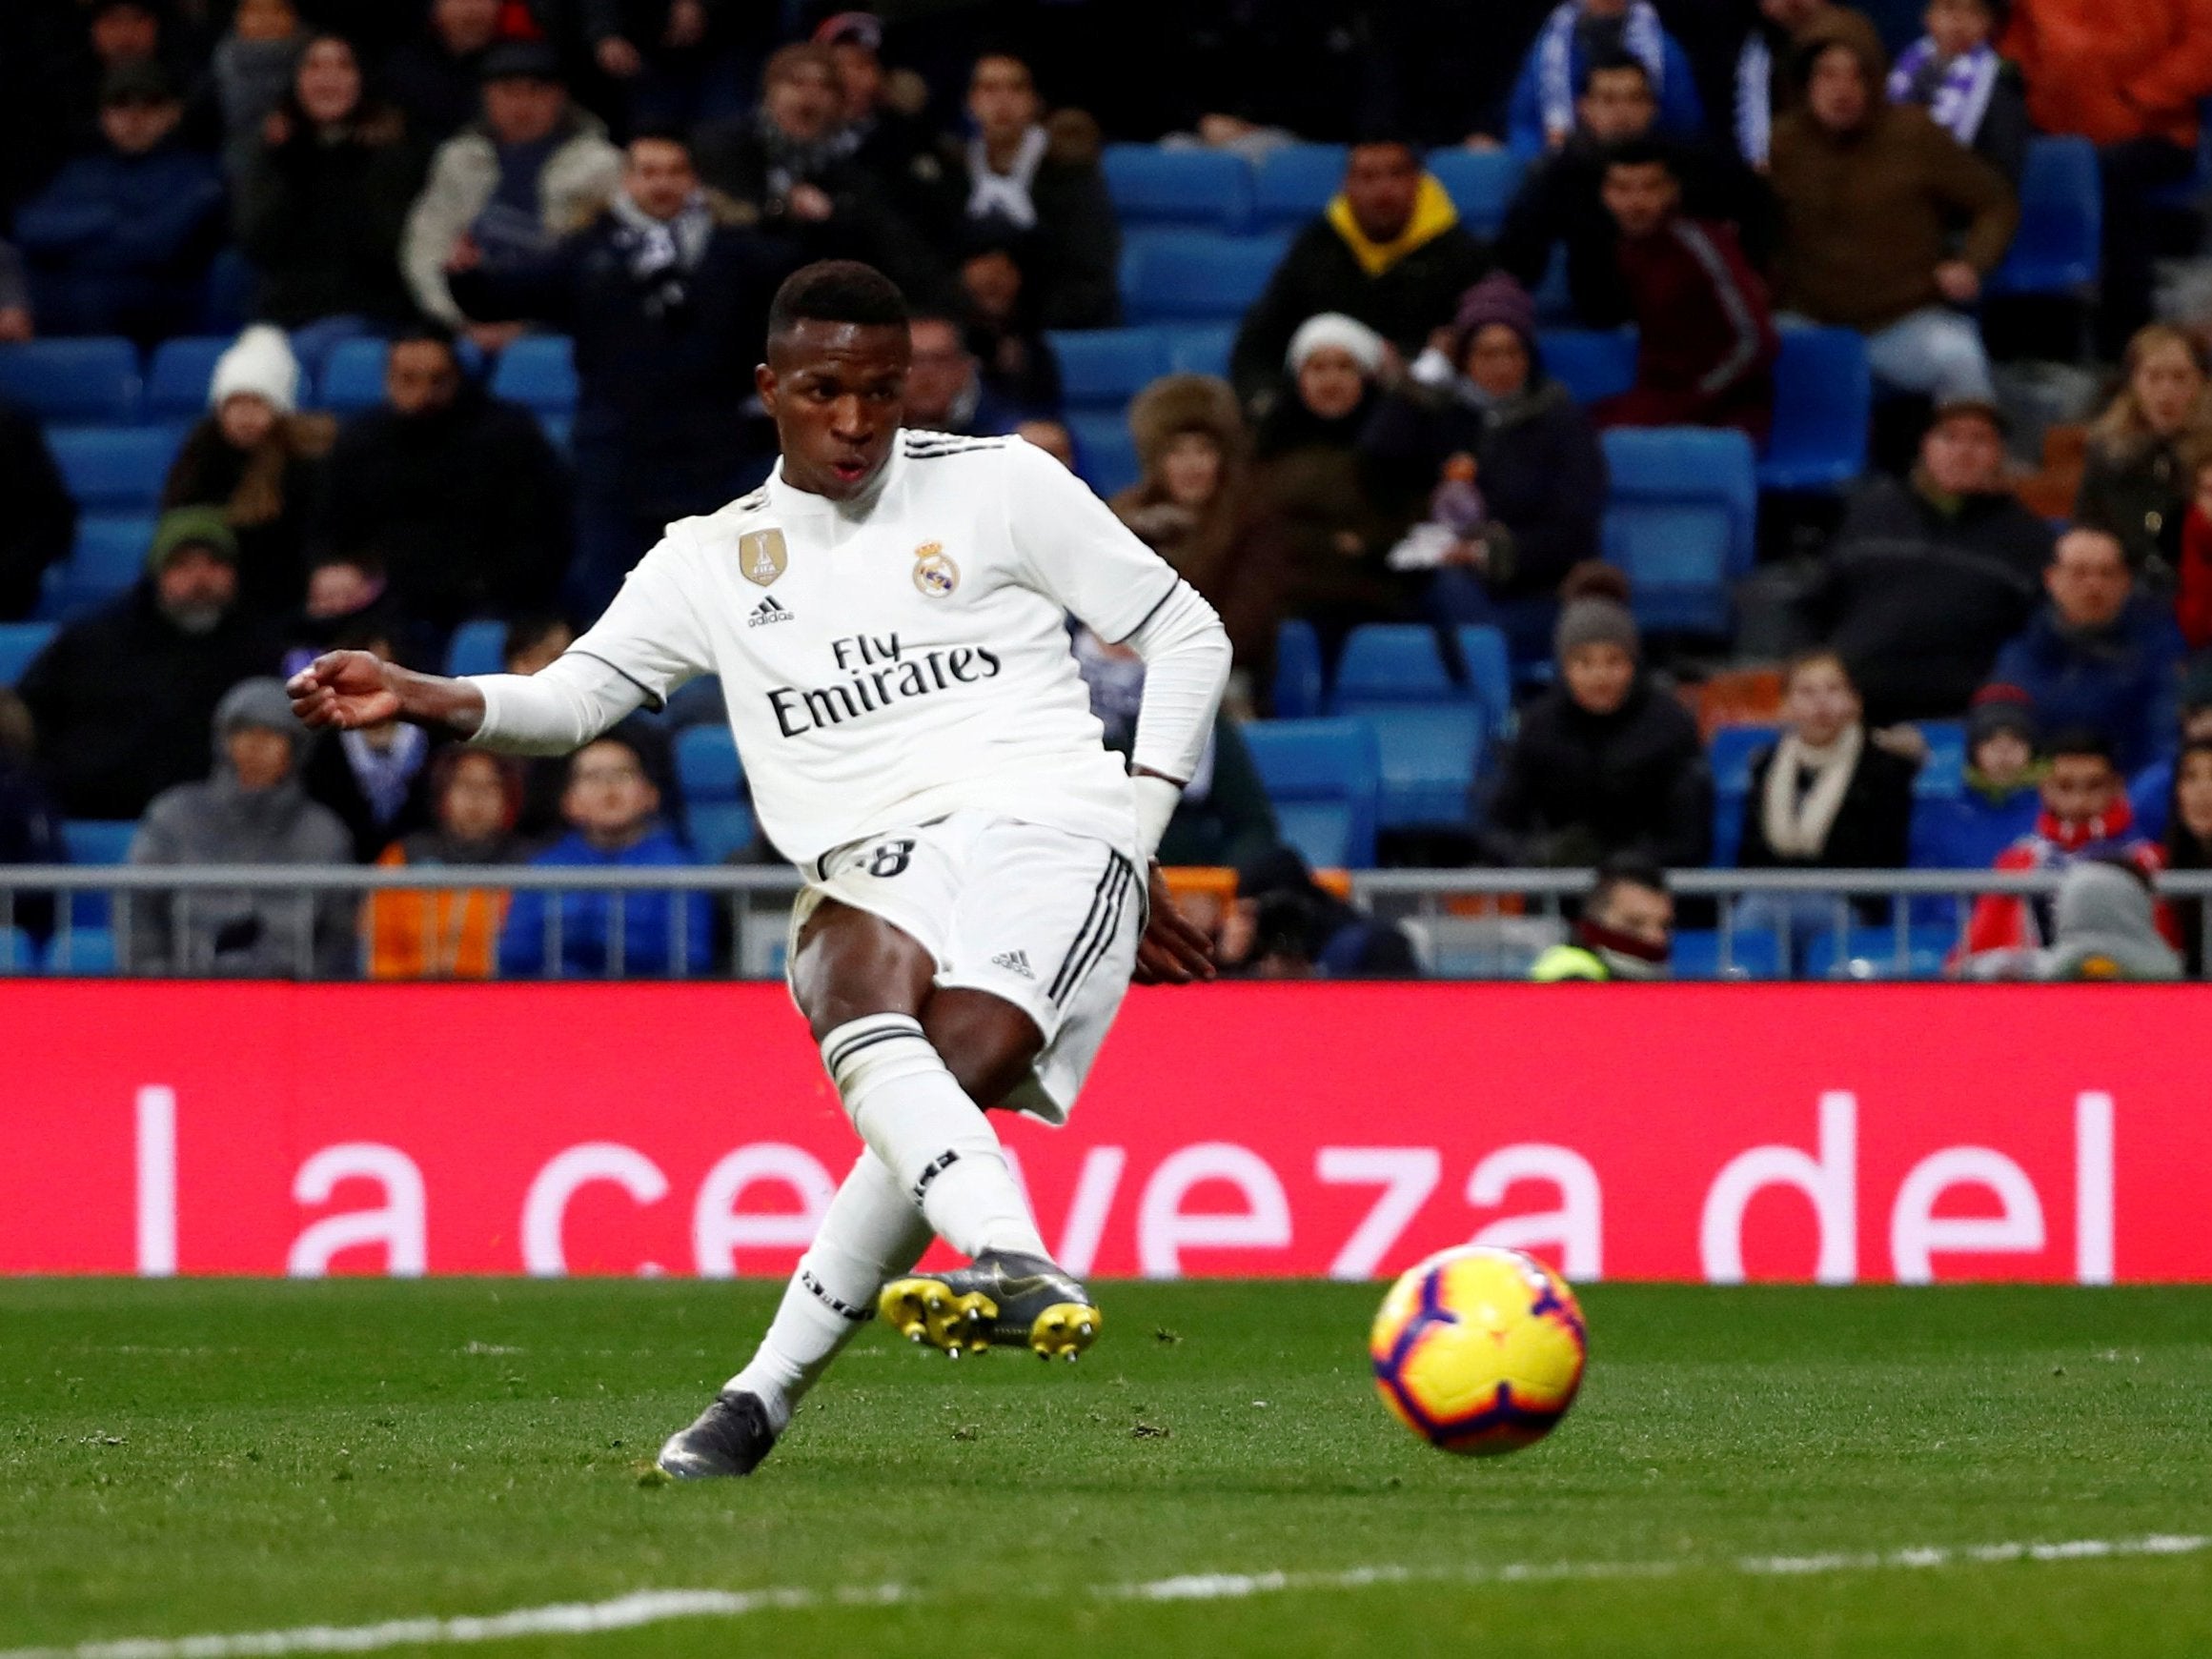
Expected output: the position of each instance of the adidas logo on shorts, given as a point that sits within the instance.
(768, 611)
(1014, 962)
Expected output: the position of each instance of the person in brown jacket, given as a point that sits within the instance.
(2128, 78)
(1872, 196)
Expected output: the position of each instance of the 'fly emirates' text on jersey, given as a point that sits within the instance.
(890, 660)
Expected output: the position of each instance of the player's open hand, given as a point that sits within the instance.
(1175, 950)
(343, 690)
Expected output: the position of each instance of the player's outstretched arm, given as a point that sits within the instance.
(344, 690)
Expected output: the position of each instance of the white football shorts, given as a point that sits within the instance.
(1043, 917)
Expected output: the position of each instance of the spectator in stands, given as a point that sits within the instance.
(1769, 79)
(1478, 393)
(507, 188)
(1930, 576)
(784, 165)
(1605, 761)
(253, 70)
(2001, 800)
(945, 385)
(120, 35)
(437, 76)
(1954, 74)
(118, 242)
(1313, 492)
(2129, 79)
(2188, 842)
(1037, 179)
(259, 461)
(667, 301)
(1285, 926)
(1871, 197)
(2193, 573)
(880, 117)
(248, 810)
(1626, 930)
(2136, 483)
(29, 823)
(374, 779)
(2084, 814)
(16, 322)
(1577, 33)
(349, 595)
(1191, 505)
(38, 521)
(1014, 358)
(454, 493)
(2149, 789)
(123, 696)
(452, 933)
(612, 812)
(1706, 347)
(1390, 252)
(666, 57)
(2105, 928)
(2100, 654)
(322, 198)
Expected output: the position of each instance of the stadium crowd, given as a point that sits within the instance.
(1384, 447)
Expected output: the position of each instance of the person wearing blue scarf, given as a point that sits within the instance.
(1541, 114)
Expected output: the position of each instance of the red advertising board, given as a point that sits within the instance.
(1843, 1133)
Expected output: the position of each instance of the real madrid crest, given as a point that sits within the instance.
(934, 574)
(762, 556)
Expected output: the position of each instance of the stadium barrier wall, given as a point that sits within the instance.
(1841, 1133)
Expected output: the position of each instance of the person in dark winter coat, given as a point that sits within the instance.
(1390, 251)
(1828, 796)
(2100, 655)
(118, 242)
(455, 493)
(667, 302)
(1706, 346)
(1605, 761)
(2188, 843)
(2137, 483)
(248, 810)
(2001, 800)
(436, 77)
(255, 458)
(1928, 577)
(122, 699)
(323, 196)
(38, 520)
(1478, 394)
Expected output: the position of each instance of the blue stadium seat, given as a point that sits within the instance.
(1942, 775)
(478, 647)
(1428, 754)
(1105, 455)
(539, 372)
(84, 949)
(1870, 953)
(1823, 404)
(96, 842)
(17, 954)
(110, 554)
(707, 766)
(1752, 955)
(1682, 522)
(177, 385)
(1729, 756)
(1298, 689)
(353, 377)
(1202, 189)
(1481, 184)
(1490, 673)
(1391, 662)
(2056, 250)
(1201, 349)
(1196, 275)
(1325, 780)
(719, 829)
(1105, 368)
(86, 382)
(115, 469)
(1293, 184)
(19, 643)
(1590, 363)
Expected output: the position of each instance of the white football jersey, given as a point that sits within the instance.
(891, 660)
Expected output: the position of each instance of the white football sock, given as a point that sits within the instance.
(935, 1141)
(870, 1233)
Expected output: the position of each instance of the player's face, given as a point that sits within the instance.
(836, 394)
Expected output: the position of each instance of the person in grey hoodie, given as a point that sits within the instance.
(2106, 926)
(251, 810)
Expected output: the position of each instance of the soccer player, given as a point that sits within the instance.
(888, 618)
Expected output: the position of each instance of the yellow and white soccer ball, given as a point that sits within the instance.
(1479, 1350)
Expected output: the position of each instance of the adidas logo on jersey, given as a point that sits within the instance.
(1014, 962)
(768, 611)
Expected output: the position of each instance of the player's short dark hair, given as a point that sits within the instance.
(1624, 870)
(2082, 742)
(1613, 62)
(1645, 152)
(837, 291)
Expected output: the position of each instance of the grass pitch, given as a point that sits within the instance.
(200, 1457)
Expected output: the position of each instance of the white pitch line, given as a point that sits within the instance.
(653, 1607)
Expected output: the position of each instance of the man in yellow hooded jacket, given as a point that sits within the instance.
(1389, 250)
